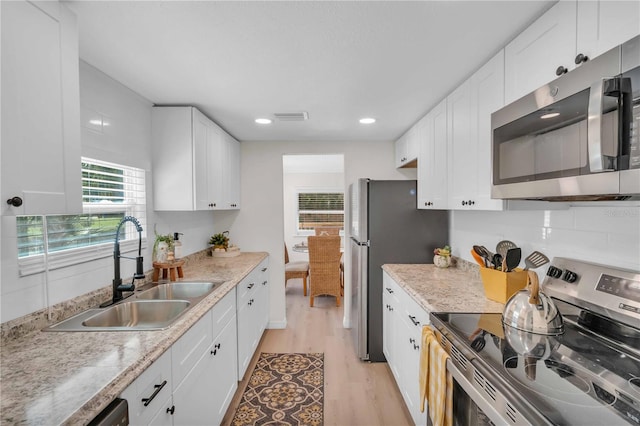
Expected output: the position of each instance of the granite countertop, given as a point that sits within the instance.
(69, 377)
(454, 289)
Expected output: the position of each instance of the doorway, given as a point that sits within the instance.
(313, 195)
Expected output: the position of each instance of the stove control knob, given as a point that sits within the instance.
(569, 276)
(554, 272)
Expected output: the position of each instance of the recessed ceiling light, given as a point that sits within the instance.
(550, 115)
(367, 120)
(263, 120)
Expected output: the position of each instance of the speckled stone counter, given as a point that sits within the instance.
(456, 289)
(69, 377)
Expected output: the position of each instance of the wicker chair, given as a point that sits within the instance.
(299, 269)
(324, 267)
(327, 230)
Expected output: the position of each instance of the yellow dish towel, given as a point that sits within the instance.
(436, 383)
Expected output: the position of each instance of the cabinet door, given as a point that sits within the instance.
(432, 164)
(602, 25)
(190, 347)
(532, 58)
(401, 151)
(390, 334)
(225, 365)
(231, 173)
(40, 110)
(245, 337)
(461, 149)
(193, 399)
(148, 394)
(264, 297)
(487, 96)
(201, 160)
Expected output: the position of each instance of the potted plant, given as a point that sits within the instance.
(442, 257)
(161, 247)
(219, 242)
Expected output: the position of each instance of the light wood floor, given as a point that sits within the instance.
(356, 392)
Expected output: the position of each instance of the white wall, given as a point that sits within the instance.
(259, 225)
(608, 234)
(127, 140)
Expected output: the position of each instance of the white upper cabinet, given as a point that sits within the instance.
(469, 111)
(195, 163)
(603, 25)
(40, 109)
(533, 58)
(407, 148)
(432, 162)
(564, 37)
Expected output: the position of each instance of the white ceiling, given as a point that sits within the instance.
(337, 60)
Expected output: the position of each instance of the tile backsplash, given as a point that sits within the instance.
(607, 234)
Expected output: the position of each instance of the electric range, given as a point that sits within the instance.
(588, 375)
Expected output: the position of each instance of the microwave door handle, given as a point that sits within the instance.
(594, 129)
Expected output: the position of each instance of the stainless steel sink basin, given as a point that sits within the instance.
(179, 290)
(139, 314)
(155, 308)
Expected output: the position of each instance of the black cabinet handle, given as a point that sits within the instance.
(214, 352)
(389, 290)
(15, 201)
(416, 347)
(264, 269)
(171, 410)
(158, 388)
(412, 340)
(561, 70)
(581, 59)
(250, 286)
(264, 282)
(413, 320)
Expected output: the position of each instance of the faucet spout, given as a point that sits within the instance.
(118, 287)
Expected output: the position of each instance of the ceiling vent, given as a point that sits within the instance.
(292, 116)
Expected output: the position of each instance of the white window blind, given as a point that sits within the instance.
(109, 192)
(319, 209)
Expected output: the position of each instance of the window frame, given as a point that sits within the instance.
(50, 260)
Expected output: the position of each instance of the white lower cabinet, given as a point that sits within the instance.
(403, 322)
(253, 314)
(147, 396)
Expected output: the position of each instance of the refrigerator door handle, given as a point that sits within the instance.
(360, 243)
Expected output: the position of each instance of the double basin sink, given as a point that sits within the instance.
(155, 308)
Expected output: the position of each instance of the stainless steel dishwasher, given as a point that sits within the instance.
(116, 414)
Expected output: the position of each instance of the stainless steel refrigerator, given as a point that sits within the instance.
(386, 227)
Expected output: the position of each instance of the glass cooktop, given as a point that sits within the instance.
(576, 378)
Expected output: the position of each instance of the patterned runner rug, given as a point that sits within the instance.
(284, 389)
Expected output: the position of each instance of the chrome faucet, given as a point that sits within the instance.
(118, 287)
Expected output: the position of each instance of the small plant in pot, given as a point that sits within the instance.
(442, 257)
(162, 246)
(219, 242)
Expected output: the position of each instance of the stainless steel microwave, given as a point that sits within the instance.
(576, 138)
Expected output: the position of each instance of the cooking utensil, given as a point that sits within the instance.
(478, 258)
(497, 260)
(532, 311)
(512, 258)
(503, 246)
(484, 254)
(535, 260)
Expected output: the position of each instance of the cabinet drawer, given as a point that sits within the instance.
(190, 347)
(223, 311)
(247, 287)
(153, 388)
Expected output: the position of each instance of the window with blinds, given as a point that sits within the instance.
(319, 209)
(109, 192)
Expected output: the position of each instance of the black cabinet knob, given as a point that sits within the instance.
(171, 410)
(561, 70)
(581, 59)
(15, 201)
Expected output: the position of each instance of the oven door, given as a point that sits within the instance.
(466, 410)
